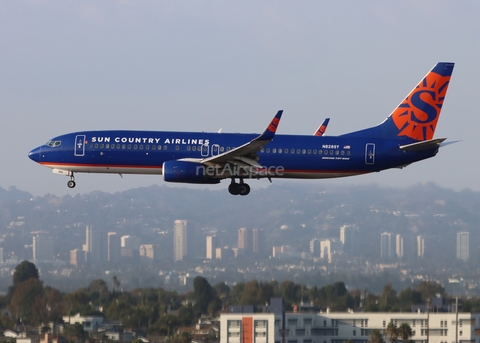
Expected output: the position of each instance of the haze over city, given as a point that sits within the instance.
(202, 66)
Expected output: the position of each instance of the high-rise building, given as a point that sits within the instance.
(147, 251)
(43, 248)
(77, 257)
(386, 246)
(211, 247)
(258, 242)
(94, 246)
(243, 238)
(348, 238)
(180, 240)
(114, 247)
(130, 242)
(420, 246)
(326, 250)
(399, 246)
(463, 245)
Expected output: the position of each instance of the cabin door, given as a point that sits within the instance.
(80, 145)
(370, 153)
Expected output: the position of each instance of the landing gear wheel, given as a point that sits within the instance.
(244, 189)
(71, 184)
(234, 188)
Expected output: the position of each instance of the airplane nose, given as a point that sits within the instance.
(35, 154)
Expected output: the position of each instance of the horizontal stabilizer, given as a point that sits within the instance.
(423, 145)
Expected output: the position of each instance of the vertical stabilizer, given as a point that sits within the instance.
(416, 117)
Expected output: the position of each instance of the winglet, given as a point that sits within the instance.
(322, 128)
(269, 132)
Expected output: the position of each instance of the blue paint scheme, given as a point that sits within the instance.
(180, 156)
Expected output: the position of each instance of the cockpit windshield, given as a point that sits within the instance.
(54, 144)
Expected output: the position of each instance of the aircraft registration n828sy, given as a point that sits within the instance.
(406, 136)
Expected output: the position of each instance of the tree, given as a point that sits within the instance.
(392, 332)
(25, 302)
(203, 294)
(116, 283)
(376, 337)
(24, 271)
(405, 332)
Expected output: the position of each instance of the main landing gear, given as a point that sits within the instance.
(71, 183)
(238, 188)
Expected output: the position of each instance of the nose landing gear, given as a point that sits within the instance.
(71, 183)
(238, 188)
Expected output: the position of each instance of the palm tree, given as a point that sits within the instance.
(405, 332)
(376, 337)
(392, 332)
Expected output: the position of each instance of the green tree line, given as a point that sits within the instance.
(161, 312)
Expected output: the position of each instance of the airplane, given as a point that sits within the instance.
(404, 137)
(322, 128)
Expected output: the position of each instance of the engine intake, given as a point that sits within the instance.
(186, 172)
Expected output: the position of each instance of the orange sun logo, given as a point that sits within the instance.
(416, 117)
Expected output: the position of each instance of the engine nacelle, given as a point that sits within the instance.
(186, 172)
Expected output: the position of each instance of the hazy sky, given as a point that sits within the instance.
(203, 65)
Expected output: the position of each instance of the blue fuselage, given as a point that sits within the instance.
(144, 152)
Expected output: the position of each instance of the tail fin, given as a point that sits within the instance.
(416, 117)
(322, 128)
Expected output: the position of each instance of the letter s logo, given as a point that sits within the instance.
(423, 112)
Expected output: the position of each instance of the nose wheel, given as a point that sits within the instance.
(238, 188)
(71, 183)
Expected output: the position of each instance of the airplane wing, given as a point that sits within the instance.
(322, 128)
(246, 153)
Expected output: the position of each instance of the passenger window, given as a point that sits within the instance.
(165, 147)
(348, 153)
(262, 150)
(107, 146)
(303, 151)
(292, 151)
(274, 150)
(222, 149)
(141, 146)
(309, 151)
(228, 148)
(177, 147)
(96, 146)
(280, 150)
(188, 148)
(314, 151)
(331, 152)
(159, 147)
(101, 146)
(129, 147)
(320, 152)
(147, 147)
(298, 151)
(268, 150)
(194, 148)
(342, 153)
(325, 152)
(135, 147)
(336, 152)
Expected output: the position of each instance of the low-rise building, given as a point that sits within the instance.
(279, 326)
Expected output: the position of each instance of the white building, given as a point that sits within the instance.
(463, 245)
(340, 327)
